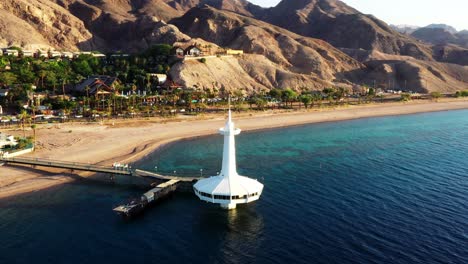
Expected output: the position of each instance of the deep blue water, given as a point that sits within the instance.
(380, 190)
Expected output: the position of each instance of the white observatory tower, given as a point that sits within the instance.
(229, 188)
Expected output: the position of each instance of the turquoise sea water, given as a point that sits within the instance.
(380, 190)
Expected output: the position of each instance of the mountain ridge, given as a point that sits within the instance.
(298, 43)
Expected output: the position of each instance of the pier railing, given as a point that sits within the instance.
(115, 170)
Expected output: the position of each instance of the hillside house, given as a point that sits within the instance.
(193, 51)
(171, 85)
(55, 54)
(28, 53)
(234, 52)
(160, 78)
(67, 55)
(78, 53)
(41, 54)
(178, 51)
(98, 55)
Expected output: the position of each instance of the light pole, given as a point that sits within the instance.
(201, 172)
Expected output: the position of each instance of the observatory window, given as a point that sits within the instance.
(205, 194)
(222, 197)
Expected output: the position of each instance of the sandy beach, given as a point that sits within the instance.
(125, 141)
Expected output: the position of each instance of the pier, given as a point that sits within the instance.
(151, 196)
(65, 165)
(94, 168)
(166, 184)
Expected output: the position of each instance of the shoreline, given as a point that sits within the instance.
(103, 144)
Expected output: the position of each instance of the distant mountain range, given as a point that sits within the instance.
(437, 34)
(298, 43)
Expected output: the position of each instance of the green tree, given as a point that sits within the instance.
(4, 61)
(23, 116)
(260, 103)
(289, 96)
(26, 75)
(405, 97)
(8, 78)
(435, 96)
(339, 94)
(306, 99)
(159, 50)
(81, 66)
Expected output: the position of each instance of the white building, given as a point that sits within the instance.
(28, 53)
(229, 188)
(55, 54)
(7, 141)
(11, 52)
(98, 55)
(67, 54)
(161, 78)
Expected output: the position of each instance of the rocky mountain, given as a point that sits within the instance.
(405, 29)
(292, 58)
(298, 43)
(434, 35)
(42, 23)
(444, 27)
(439, 34)
(343, 27)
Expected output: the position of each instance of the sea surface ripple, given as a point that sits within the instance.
(378, 190)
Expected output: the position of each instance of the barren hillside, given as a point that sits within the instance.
(332, 43)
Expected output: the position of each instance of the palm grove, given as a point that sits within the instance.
(53, 78)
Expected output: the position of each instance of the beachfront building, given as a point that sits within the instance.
(7, 141)
(228, 188)
(98, 86)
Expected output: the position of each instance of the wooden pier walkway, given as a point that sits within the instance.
(94, 168)
(66, 165)
(167, 184)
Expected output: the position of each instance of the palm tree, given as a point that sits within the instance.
(23, 116)
(33, 126)
(306, 99)
(289, 96)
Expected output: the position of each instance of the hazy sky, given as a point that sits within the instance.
(412, 12)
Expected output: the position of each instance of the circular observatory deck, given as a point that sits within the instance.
(228, 188)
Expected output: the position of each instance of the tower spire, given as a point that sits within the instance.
(228, 188)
